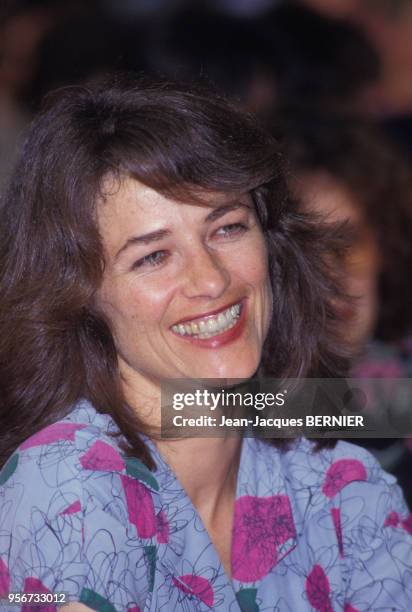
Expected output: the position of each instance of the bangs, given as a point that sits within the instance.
(185, 147)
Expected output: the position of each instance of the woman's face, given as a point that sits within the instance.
(185, 287)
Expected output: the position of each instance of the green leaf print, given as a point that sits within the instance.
(136, 469)
(247, 600)
(95, 601)
(9, 468)
(151, 554)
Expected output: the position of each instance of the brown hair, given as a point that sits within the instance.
(55, 348)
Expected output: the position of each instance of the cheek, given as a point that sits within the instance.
(137, 309)
(253, 264)
(253, 268)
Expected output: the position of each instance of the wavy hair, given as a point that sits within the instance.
(55, 348)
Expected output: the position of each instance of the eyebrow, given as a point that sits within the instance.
(144, 239)
(225, 208)
(157, 235)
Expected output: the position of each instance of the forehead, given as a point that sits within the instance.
(127, 197)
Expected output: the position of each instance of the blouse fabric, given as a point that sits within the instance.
(320, 531)
(387, 361)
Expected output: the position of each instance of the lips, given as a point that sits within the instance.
(219, 337)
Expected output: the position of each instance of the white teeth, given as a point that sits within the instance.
(235, 310)
(210, 327)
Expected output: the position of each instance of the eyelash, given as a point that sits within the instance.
(235, 228)
(153, 259)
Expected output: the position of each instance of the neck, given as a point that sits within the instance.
(206, 468)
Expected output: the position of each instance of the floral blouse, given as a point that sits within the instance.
(325, 531)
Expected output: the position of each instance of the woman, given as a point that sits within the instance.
(138, 216)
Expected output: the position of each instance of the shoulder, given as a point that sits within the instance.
(51, 463)
(67, 457)
(348, 485)
(301, 463)
(316, 479)
(334, 468)
(69, 498)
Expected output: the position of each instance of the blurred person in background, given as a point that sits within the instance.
(44, 45)
(319, 64)
(85, 42)
(274, 59)
(349, 169)
(21, 31)
(199, 43)
(387, 25)
(349, 172)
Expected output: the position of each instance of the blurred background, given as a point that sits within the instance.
(331, 79)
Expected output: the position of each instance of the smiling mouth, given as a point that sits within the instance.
(210, 326)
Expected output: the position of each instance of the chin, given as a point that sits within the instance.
(229, 375)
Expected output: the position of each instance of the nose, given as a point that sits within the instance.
(205, 275)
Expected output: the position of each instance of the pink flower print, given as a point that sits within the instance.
(162, 528)
(134, 609)
(341, 473)
(394, 520)
(261, 526)
(4, 579)
(407, 524)
(102, 457)
(33, 585)
(349, 608)
(53, 433)
(338, 528)
(197, 586)
(318, 590)
(73, 508)
(140, 507)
